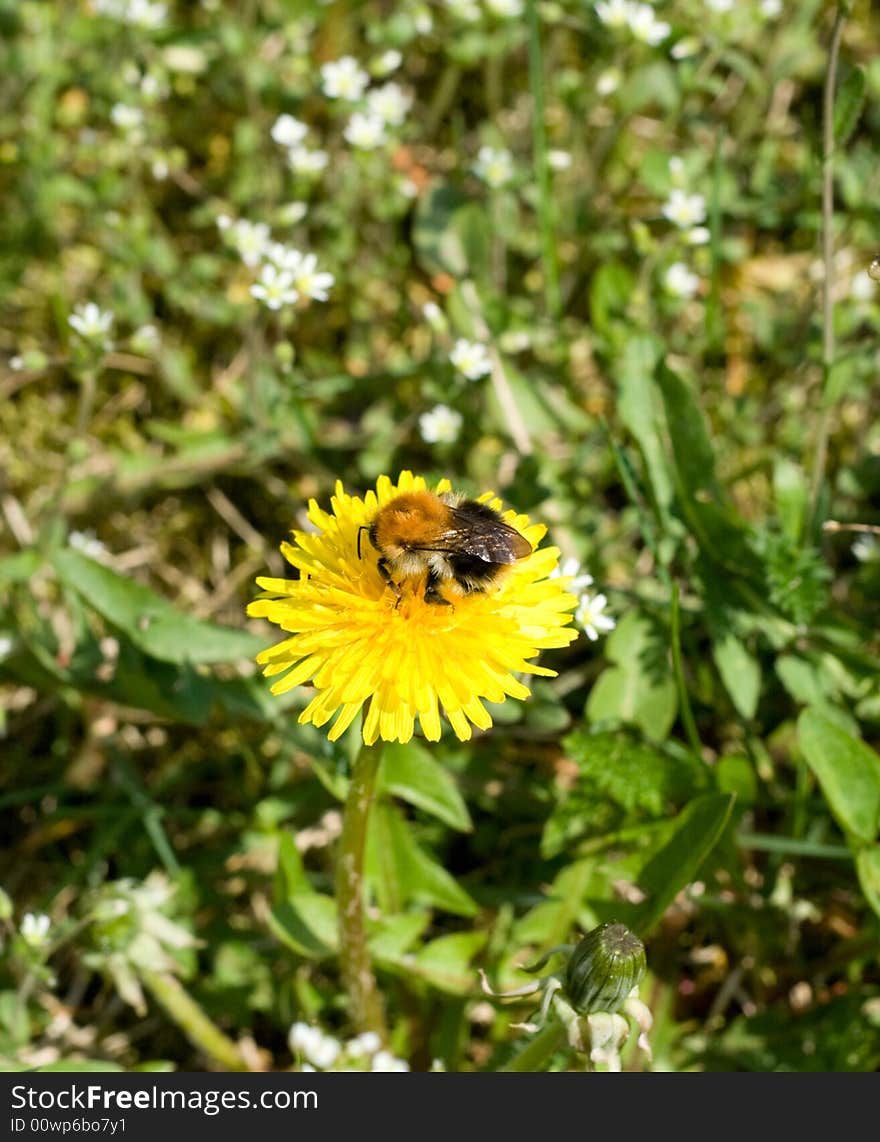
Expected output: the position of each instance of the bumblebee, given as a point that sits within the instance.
(450, 540)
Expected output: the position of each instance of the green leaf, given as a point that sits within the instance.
(848, 103)
(306, 923)
(848, 772)
(409, 873)
(290, 875)
(395, 936)
(611, 291)
(643, 780)
(868, 869)
(640, 688)
(698, 829)
(446, 962)
(149, 620)
(440, 244)
(640, 411)
(740, 672)
(18, 568)
(692, 449)
(791, 495)
(411, 773)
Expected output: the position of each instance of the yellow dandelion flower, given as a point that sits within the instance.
(406, 658)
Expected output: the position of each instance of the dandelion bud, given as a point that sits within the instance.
(604, 968)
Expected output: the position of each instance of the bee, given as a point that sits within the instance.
(449, 539)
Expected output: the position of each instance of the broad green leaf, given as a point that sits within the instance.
(394, 936)
(306, 923)
(290, 874)
(149, 620)
(410, 772)
(439, 244)
(551, 922)
(409, 874)
(611, 292)
(848, 772)
(639, 688)
(868, 868)
(848, 102)
(740, 673)
(791, 495)
(446, 962)
(698, 829)
(18, 568)
(692, 449)
(640, 412)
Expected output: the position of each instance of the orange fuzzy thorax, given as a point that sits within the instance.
(413, 519)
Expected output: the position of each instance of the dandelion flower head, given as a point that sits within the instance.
(405, 660)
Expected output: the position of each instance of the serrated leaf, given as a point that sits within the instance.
(848, 102)
(740, 672)
(848, 772)
(149, 620)
(410, 772)
(698, 829)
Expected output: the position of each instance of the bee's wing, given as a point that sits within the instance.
(478, 531)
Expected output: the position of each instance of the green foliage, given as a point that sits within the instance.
(704, 770)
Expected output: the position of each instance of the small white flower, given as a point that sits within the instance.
(145, 339)
(88, 543)
(698, 235)
(645, 26)
(223, 222)
(571, 569)
(468, 11)
(471, 358)
(125, 117)
(614, 13)
(440, 425)
(292, 213)
(505, 9)
(309, 281)
(324, 1052)
(423, 21)
(385, 1061)
(684, 49)
(302, 1037)
(590, 616)
(35, 928)
(387, 62)
(867, 548)
(719, 5)
(390, 103)
(146, 14)
(684, 210)
(608, 82)
(344, 79)
(680, 281)
(275, 287)
(365, 131)
(494, 166)
(250, 239)
(303, 161)
(559, 160)
(676, 170)
(6, 644)
(771, 8)
(367, 1043)
(90, 322)
(862, 287)
(288, 131)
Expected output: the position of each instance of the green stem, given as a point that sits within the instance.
(536, 1055)
(821, 455)
(687, 716)
(546, 212)
(180, 1006)
(364, 999)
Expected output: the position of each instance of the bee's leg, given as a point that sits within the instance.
(432, 595)
(382, 568)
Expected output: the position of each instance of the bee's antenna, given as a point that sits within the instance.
(363, 527)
